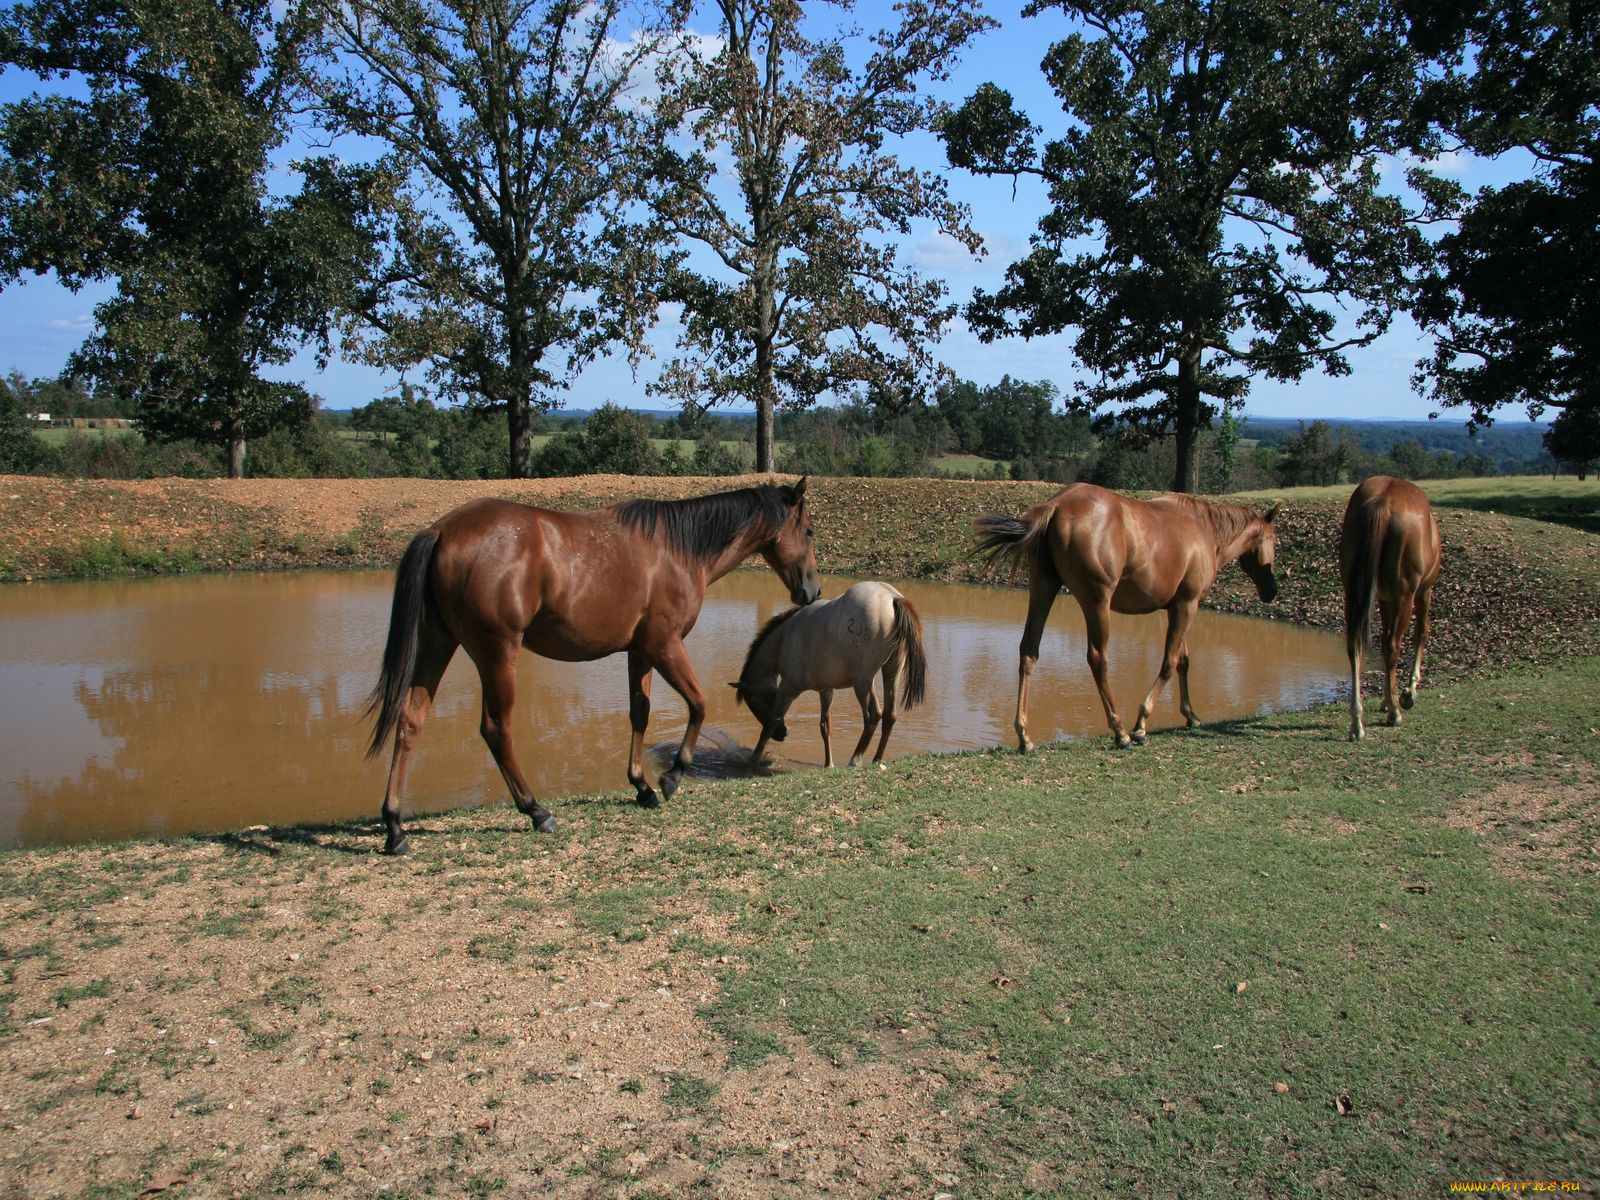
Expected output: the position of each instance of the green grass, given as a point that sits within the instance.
(1565, 500)
(1088, 919)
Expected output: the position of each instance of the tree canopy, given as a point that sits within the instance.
(513, 150)
(1218, 210)
(157, 179)
(805, 295)
(1514, 299)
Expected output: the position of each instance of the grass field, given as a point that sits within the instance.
(1564, 500)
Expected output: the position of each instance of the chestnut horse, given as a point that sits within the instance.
(1129, 556)
(1390, 544)
(494, 576)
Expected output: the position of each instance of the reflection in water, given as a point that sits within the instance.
(171, 706)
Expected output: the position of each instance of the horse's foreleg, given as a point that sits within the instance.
(1183, 686)
(1043, 585)
(639, 717)
(675, 669)
(1423, 627)
(1178, 620)
(497, 670)
(434, 651)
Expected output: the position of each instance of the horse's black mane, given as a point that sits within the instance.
(704, 526)
(766, 630)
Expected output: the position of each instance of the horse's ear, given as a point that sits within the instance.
(800, 489)
(1272, 513)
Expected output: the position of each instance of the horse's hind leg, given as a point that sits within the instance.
(1097, 628)
(825, 726)
(1396, 620)
(497, 669)
(1423, 627)
(1353, 649)
(1043, 585)
(434, 651)
(891, 680)
(870, 716)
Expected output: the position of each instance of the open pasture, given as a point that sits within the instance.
(1248, 958)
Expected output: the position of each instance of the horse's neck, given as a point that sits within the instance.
(742, 547)
(1232, 530)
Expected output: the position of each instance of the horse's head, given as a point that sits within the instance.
(1257, 558)
(789, 552)
(761, 697)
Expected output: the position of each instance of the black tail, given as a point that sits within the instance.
(400, 654)
(1013, 540)
(908, 637)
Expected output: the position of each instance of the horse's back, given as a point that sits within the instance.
(833, 641)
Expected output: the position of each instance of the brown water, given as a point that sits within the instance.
(171, 706)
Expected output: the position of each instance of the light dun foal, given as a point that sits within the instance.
(845, 642)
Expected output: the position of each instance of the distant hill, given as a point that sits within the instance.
(1513, 445)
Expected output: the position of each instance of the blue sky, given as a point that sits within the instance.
(41, 323)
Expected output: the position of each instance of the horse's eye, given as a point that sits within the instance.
(808, 531)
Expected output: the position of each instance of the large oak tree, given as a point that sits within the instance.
(156, 177)
(1218, 209)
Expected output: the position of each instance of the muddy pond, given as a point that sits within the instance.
(170, 706)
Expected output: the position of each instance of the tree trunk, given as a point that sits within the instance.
(765, 282)
(1186, 473)
(236, 449)
(521, 463)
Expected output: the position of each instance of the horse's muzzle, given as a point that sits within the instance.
(806, 593)
(1268, 588)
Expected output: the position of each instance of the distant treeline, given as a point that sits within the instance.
(1014, 429)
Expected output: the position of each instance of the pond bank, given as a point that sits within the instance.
(1513, 590)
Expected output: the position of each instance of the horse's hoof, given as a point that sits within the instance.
(1141, 739)
(647, 798)
(1023, 747)
(1357, 734)
(669, 785)
(544, 824)
(1407, 699)
(403, 846)
(1394, 717)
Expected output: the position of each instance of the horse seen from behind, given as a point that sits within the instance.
(494, 576)
(1390, 545)
(845, 642)
(1118, 554)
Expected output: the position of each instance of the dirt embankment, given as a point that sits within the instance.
(1513, 590)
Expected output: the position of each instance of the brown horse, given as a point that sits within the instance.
(1129, 556)
(494, 576)
(1391, 545)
